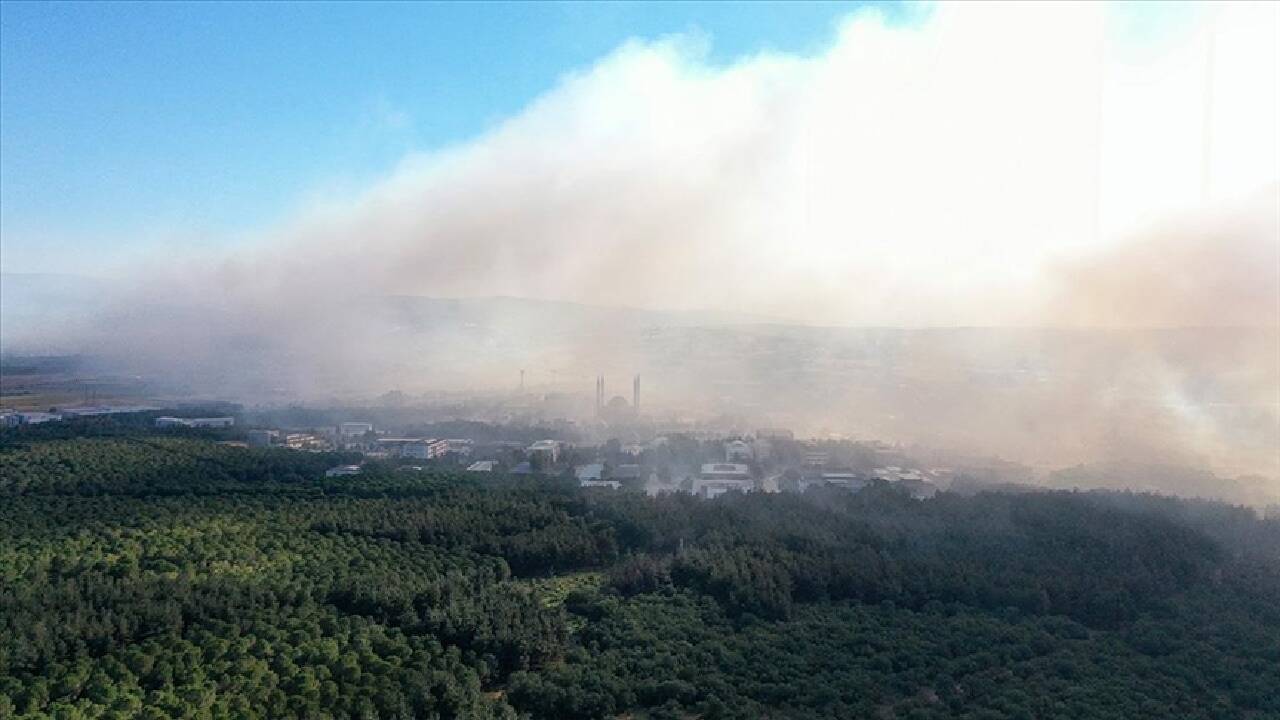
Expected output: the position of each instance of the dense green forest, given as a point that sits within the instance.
(159, 577)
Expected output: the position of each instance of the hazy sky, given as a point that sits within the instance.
(917, 165)
(156, 124)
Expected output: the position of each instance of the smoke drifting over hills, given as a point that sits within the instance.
(978, 166)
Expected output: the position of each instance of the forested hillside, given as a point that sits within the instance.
(165, 577)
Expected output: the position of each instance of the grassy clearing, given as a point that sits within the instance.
(553, 591)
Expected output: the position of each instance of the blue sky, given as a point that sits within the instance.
(156, 123)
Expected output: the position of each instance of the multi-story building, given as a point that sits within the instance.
(719, 478)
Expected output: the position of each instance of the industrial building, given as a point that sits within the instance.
(10, 419)
(846, 479)
(592, 475)
(100, 410)
(209, 422)
(547, 450)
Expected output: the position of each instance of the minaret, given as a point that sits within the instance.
(635, 395)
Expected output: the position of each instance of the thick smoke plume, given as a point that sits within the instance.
(976, 166)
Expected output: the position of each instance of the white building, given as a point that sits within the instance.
(342, 470)
(725, 471)
(482, 466)
(844, 479)
(913, 481)
(549, 450)
(352, 429)
(35, 418)
(306, 441)
(893, 473)
(98, 410)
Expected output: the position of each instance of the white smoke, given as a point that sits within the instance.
(918, 175)
(980, 165)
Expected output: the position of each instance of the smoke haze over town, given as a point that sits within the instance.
(898, 234)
